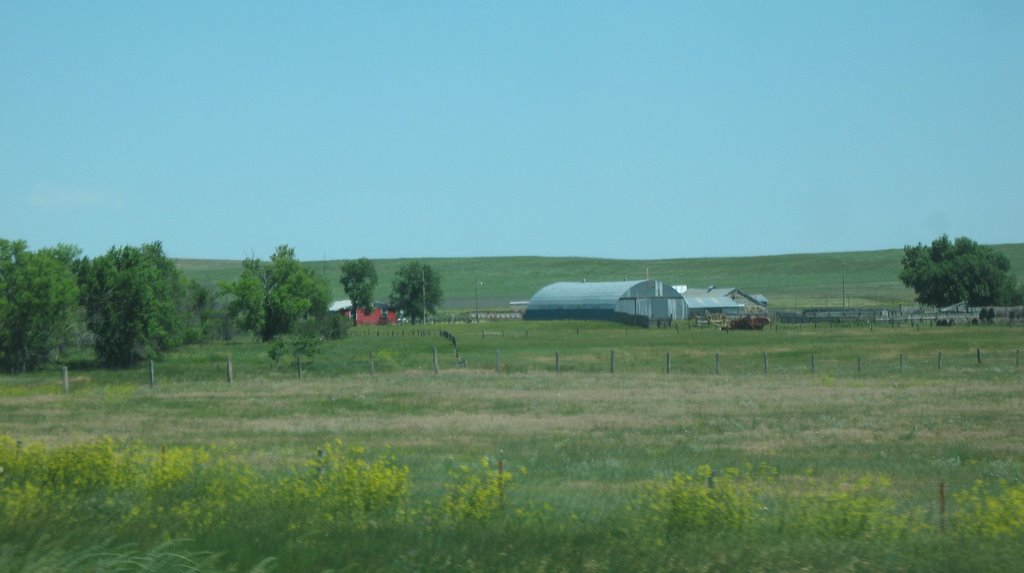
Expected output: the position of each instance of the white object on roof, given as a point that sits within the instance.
(340, 305)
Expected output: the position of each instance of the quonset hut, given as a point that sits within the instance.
(632, 302)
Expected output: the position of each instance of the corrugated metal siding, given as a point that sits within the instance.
(603, 300)
(603, 295)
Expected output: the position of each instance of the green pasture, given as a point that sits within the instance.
(840, 445)
(504, 379)
(789, 281)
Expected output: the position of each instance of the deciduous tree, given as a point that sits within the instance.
(948, 272)
(416, 290)
(359, 279)
(136, 302)
(270, 298)
(39, 311)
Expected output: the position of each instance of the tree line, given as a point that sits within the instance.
(133, 303)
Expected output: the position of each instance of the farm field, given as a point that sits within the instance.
(835, 468)
(789, 281)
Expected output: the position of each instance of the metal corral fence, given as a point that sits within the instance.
(903, 315)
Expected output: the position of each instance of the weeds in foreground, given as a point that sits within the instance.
(341, 506)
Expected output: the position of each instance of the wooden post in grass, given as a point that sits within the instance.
(64, 377)
(942, 506)
(812, 364)
(558, 364)
(940, 360)
(436, 368)
(668, 363)
(613, 362)
(152, 374)
(765, 362)
(501, 481)
(231, 372)
(979, 357)
(497, 362)
(718, 362)
(371, 364)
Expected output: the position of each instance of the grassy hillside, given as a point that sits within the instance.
(787, 280)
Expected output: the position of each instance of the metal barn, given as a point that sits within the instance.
(711, 301)
(632, 302)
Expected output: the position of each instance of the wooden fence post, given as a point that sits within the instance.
(501, 481)
(436, 367)
(64, 378)
(371, 364)
(152, 374)
(558, 365)
(718, 362)
(940, 360)
(497, 361)
(765, 362)
(613, 362)
(979, 357)
(942, 506)
(813, 368)
(231, 372)
(668, 363)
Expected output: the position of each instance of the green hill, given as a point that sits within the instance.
(804, 280)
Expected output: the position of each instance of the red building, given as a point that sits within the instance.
(380, 314)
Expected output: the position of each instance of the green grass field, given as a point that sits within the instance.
(836, 469)
(801, 447)
(789, 281)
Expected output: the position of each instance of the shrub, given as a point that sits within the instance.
(990, 510)
(188, 492)
(699, 503)
(864, 508)
(475, 494)
(340, 488)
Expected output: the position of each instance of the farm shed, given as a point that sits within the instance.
(631, 302)
(710, 301)
(752, 303)
(381, 313)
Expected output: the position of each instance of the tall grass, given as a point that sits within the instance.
(837, 469)
(340, 510)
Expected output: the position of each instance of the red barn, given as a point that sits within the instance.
(381, 313)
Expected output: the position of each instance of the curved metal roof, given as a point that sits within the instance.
(597, 294)
(589, 295)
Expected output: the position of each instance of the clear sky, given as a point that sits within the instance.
(448, 129)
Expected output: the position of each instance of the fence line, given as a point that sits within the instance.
(741, 364)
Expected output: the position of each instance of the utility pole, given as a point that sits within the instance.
(477, 289)
(844, 285)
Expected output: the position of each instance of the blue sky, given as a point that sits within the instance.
(445, 129)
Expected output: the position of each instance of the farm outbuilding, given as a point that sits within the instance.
(381, 313)
(711, 301)
(632, 302)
